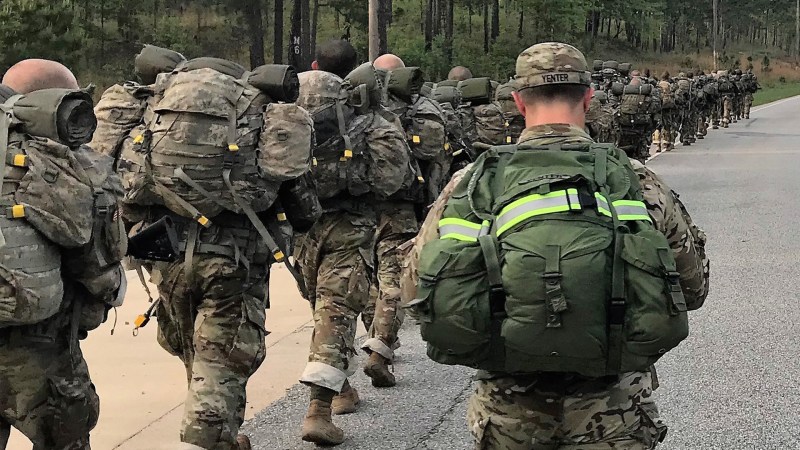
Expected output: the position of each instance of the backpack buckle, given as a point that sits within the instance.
(497, 301)
(616, 312)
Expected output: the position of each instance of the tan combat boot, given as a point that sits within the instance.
(243, 442)
(346, 402)
(377, 368)
(318, 427)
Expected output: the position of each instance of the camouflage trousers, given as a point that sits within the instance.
(688, 126)
(336, 259)
(748, 104)
(550, 411)
(45, 392)
(212, 317)
(727, 110)
(635, 144)
(383, 316)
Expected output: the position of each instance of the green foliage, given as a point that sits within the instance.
(39, 29)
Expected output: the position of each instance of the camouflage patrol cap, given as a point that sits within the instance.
(551, 63)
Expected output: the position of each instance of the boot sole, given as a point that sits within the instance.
(321, 441)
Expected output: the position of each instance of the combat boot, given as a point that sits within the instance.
(345, 402)
(243, 442)
(318, 426)
(377, 368)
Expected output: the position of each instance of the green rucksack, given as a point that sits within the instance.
(548, 261)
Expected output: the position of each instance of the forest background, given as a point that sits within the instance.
(99, 38)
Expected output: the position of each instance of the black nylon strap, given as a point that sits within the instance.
(556, 303)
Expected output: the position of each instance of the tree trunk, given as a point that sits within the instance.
(295, 47)
(486, 26)
(314, 26)
(429, 25)
(448, 32)
(305, 34)
(255, 28)
(495, 20)
(521, 27)
(277, 35)
(384, 19)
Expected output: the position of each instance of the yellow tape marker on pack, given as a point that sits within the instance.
(18, 211)
(20, 160)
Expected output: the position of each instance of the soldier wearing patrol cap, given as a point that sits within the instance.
(516, 411)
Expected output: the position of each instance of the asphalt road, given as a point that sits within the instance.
(732, 385)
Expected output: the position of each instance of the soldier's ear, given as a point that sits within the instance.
(518, 101)
(587, 99)
(314, 65)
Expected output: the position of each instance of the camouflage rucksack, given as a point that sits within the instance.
(638, 105)
(52, 201)
(514, 121)
(213, 140)
(346, 161)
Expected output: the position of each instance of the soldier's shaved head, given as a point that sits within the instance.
(459, 73)
(35, 74)
(388, 62)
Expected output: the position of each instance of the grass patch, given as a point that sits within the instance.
(774, 92)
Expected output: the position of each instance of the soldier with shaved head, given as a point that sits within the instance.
(45, 389)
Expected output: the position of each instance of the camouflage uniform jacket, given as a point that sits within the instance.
(671, 218)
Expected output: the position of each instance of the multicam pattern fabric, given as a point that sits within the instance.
(566, 412)
(551, 63)
(336, 260)
(212, 317)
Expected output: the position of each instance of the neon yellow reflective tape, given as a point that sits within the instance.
(632, 217)
(531, 198)
(18, 211)
(630, 203)
(603, 211)
(20, 160)
(460, 222)
(459, 237)
(530, 214)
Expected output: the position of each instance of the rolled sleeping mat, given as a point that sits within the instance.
(453, 83)
(625, 69)
(153, 60)
(644, 89)
(63, 115)
(224, 66)
(405, 83)
(597, 65)
(447, 94)
(278, 81)
(6, 93)
(477, 91)
(611, 65)
(427, 89)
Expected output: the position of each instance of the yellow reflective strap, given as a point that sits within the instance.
(459, 237)
(632, 217)
(18, 211)
(20, 160)
(630, 203)
(460, 222)
(529, 214)
(202, 220)
(534, 197)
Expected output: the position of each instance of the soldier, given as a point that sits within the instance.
(397, 223)
(45, 389)
(727, 90)
(669, 115)
(336, 56)
(337, 254)
(638, 117)
(514, 122)
(566, 410)
(751, 87)
(686, 98)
